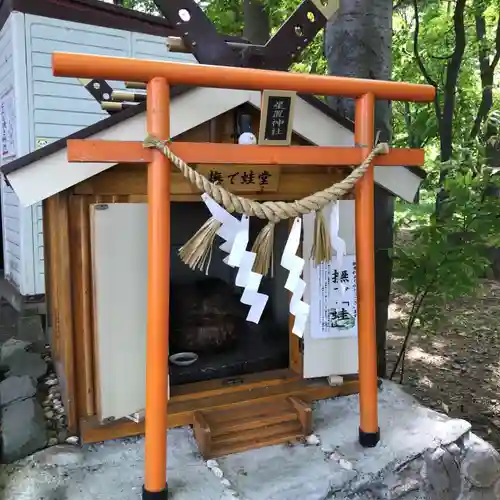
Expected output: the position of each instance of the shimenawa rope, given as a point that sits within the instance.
(196, 252)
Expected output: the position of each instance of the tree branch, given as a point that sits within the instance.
(400, 4)
(487, 72)
(496, 57)
(452, 72)
(416, 52)
(420, 62)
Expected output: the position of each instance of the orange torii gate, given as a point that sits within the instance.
(159, 76)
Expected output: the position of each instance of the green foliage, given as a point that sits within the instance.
(417, 124)
(439, 260)
(146, 6)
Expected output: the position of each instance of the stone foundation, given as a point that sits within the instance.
(31, 411)
(422, 455)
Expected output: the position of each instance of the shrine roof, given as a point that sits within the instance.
(47, 171)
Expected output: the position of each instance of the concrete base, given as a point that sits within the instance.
(31, 303)
(21, 317)
(411, 462)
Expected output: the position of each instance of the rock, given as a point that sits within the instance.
(10, 347)
(341, 461)
(441, 475)
(23, 429)
(51, 425)
(61, 418)
(16, 388)
(26, 363)
(53, 442)
(454, 449)
(454, 429)
(39, 347)
(496, 490)
(51, 382)
(218, 472)
(481, 465)
(49, 414)
(212, 463)
(62, 435)
(313, 440)
(73, 440)
(401, 489)
(30, 328)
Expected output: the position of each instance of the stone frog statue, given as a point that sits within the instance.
(205, 317)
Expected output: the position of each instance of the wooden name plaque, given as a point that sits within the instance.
(243, 178)
(276, 118)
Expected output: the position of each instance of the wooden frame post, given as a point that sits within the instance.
(369, 433)
(155, 455)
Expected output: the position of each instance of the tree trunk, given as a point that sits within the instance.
(487, 64)
(256, 26)
(358, 43)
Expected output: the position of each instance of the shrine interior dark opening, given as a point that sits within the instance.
(207, 317)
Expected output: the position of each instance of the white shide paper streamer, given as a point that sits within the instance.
(294, 283)
(235, 233)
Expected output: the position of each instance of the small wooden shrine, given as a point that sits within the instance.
(289, 220)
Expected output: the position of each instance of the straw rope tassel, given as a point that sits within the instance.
(321, 250)
(196, 252)
(263, 248)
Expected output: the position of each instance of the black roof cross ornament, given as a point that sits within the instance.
(295, 34)
(197, 32)
(200, 37)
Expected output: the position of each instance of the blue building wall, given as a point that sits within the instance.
(58, 107)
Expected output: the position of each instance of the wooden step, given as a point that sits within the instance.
(225, 431)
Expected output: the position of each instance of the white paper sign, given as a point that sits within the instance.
(8, 126)
(333, 299)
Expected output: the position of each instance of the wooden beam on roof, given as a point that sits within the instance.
(124, 96)
(98, 151)
(176, 44)
(115, 107)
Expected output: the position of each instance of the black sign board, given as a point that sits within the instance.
(276, 119)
